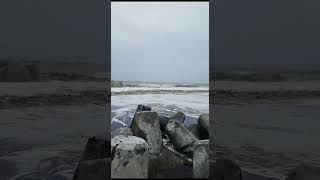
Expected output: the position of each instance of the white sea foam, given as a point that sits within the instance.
(192, 104)
(167, 88)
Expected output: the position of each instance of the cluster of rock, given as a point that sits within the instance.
(154, 144)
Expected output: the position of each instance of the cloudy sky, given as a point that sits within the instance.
(73, 30)
(160, 41)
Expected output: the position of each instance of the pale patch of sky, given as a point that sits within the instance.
(160, 41)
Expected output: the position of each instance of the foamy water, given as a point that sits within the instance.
(192, 104)
(166, 88)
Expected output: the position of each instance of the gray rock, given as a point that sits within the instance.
(140, 108)
(168, 159)
(203, 123)
(163, 120)
(129, 157)
(146, 125)
(193, 128)
(225, 169)
(304, 172)
(201, 160)
(97, 169)
(180, 137)
(179, 116)
(121, 131)
(143, 108)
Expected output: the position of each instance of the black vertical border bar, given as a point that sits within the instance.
(212, 45)
(108, 83)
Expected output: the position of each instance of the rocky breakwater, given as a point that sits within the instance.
(169, 143)
(154, 146)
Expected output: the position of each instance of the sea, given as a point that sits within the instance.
(164, 98)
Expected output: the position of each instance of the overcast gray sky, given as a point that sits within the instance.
(269, 34)
(46, 30)
(160, 41)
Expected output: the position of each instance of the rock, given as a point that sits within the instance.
(143, 108)
(129, 157)
(201, 160)
(180, 137)
(121, 131)
(304, 172)
(193, 128)
(116, 125)
(167, 160)
(203, 123)
(180, 172)
(97, 147)
(146, 125)
(97, 169)
(179, 116)
(225, 169)
(140, 108)
(163, 120)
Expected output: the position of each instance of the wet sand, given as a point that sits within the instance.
(47, 141)
(266, 134)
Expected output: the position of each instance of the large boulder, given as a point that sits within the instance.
(140, 108)
(201, 160)
(121, 131)
(168, 160)
(143, 108)
(163, 121)
(180, 137)
(203, 123)
(146, 125)
(193, 128)
(179, 116)
(129, 157)
(304, 172)
(225, 169)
